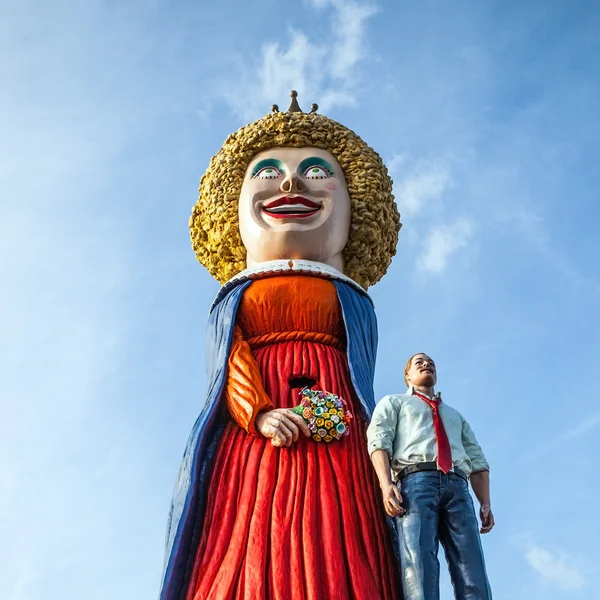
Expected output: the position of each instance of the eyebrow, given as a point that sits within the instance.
(422, 358)
(267, 162)
(315, 160)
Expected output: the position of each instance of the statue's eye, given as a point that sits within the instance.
(267, 173)
(317, 172)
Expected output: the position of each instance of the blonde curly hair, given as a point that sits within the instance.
(375, 220)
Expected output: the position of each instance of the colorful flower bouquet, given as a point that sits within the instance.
(326, 414)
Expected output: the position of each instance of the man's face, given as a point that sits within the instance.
(294, 203)
(422, 371)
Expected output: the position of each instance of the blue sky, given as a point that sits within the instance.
(485, 113)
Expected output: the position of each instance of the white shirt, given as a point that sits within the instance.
(402, 425)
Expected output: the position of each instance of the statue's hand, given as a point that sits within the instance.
(487, 518)
(392, 500)
(281, 425)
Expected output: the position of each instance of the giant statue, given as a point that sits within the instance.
(276, 497)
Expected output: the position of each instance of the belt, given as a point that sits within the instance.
(429, 466)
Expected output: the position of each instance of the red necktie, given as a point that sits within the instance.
(444, 453)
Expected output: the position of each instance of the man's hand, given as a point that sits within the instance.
(392, 500)
(487, 518)
(480, 482)
(282, 426)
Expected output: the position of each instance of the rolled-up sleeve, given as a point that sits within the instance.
(473, 449)
(382, 429)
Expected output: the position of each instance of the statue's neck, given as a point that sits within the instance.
(337, 261)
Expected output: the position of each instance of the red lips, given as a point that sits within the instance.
(291, 208)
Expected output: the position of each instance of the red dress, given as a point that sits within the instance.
(305, 522)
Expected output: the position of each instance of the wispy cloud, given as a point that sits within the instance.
(555, 568)
(350, 24)
(442, 242)
(534, 230)
(583, 427)
(281, 68)
(417, 185)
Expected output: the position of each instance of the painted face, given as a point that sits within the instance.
(294, 204)
(422, 371)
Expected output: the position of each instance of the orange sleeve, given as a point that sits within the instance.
(244, 392)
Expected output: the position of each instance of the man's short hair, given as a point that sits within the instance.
(407, 367)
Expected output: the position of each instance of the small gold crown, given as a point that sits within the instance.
(294, 106)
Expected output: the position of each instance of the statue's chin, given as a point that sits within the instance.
(294, 245)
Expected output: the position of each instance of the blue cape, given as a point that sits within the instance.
(189, 497)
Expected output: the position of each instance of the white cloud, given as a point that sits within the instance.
(417, 185)
(396, 162)
(443, 241)
(281, 69)
(555, 568)
(585, 425)
(350, 24)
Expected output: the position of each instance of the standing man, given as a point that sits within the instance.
(432, 452)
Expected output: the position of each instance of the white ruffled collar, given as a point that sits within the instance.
(287, 267)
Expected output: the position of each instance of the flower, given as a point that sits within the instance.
(325, 413)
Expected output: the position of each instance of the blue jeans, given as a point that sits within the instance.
(439, 508)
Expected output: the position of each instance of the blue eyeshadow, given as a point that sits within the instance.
(318, 161)
(268, 162)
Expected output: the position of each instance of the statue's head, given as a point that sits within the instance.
(296, 185)
(294, 203)
(420, 370)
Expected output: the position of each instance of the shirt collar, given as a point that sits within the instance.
(411, 392)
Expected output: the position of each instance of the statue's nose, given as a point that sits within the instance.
(292, 184)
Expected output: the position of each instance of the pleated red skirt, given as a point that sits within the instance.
(298, 523)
